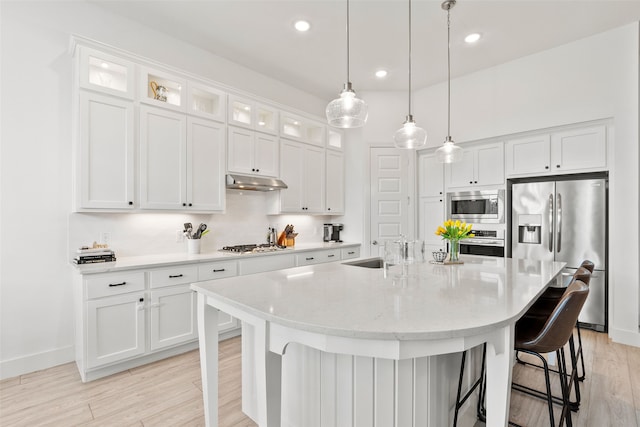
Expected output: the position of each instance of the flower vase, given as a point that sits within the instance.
(454, 250)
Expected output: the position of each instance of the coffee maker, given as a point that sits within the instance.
(332, 232)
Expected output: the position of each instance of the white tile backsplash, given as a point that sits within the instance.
(244, 221)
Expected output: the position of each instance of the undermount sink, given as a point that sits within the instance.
(367, 263)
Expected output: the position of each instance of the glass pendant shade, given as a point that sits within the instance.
(348, 111)
(449, 152)
(409, 135)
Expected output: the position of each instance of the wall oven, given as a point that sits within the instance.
(486, 206)
(485, 242)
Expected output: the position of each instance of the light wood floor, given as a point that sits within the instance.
(168, 393)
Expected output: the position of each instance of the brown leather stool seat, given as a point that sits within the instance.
(535, 337)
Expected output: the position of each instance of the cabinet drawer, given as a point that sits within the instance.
(217, 270)
(348, 253)
(102, 285)
(267, 263)
(176, 275)
(317, 257)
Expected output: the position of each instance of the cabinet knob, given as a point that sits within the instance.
(141, 300)
(328, 209)
(441, 200)
(184, 204)
(470, 182)
(546, 167)
(475, 182)
(190, 204)
(130, 203)
(441, 192)
(558, 166)
(257, 170)
(253, 169)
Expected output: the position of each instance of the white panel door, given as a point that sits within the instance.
(462, 173)
(335, 182)
(390, 200)
(162, 159)
(489, 165)
(579, 149)
(528, 155)
(291, 172)
(115, 328)
(430, 176)
(106, 152)
(173, 317)
(241, 150)
(205, 165)
(266, 154)
(313, 179)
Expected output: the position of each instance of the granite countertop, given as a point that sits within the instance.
(166, 260)
(431, 302)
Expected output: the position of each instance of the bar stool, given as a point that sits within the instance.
(537, 338)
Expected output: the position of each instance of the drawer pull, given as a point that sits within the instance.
(111, 285)
(331, 256)
(174, 276)
(218, 271)
(309, 259)
(350, 253)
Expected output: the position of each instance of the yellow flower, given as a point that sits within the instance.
(457, 223)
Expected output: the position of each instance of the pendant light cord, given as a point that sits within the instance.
(409, 58)
(448, 75)
(348, 80)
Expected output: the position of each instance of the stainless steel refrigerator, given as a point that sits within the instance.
(565, 220)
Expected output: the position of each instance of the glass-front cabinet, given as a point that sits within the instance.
(206, 101)
(250, 114)
(106, 73)
(162, 89)
(302, 129)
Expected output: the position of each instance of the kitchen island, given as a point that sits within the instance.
(392, 325)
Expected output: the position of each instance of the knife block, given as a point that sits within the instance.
(290, 242)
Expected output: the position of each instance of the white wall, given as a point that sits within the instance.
(37, 229)
(589, 79)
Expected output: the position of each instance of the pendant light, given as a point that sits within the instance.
(348, 111)
(449, 152)
(409, 135)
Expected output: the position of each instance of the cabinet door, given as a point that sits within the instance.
(490, 165)
(266, 152)
(115, 328)
(205, 165)
(314, 175)
(291, 172)
(173, 317)
(461, 174)
(105, 73)
(241, 151)
(579, 149)
(431, 215)
(162, 89)
(162, 159)
(106, 169)
(430, 176)
(206, 102)
(335, 182)
(240, 112)
(527, 155)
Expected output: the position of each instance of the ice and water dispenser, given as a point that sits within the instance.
(530, 229)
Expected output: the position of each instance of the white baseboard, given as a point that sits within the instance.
(36, 362)
(623, 336)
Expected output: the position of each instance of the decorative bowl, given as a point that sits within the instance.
(439, 256)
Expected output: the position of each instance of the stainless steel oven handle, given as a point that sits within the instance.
(551, 223)
(559, 212)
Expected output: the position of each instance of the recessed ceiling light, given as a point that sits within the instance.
(381, 74)
(472, 38)
(302, 26)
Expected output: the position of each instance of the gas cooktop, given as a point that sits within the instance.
(252, 248)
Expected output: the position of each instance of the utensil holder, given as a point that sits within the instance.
(193, 246)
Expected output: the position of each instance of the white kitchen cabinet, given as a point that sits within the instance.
(102, 72)
(431, 214)
(173, 317)
(481, 165)
(105, 167)
(430, 176)
(335, 139)
(162, 89)
(303, 129)
(349, 253)
(302, 169)
(181, 161)
(334, 201)
(115, 328)
(318, 257)
(266, 263)
(569, 151)
(252, 153)
(217, 270)
(206, 101)
(247, 113)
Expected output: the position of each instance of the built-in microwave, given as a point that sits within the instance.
(485, 206)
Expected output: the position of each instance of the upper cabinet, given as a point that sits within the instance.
(302, 169)
(334, 185)
(335, 139)
(252, 153)
(303, 129)
(481, 165)
(250, 114)
(574, 150)
(162, 89)
(206, 102)
(430, 176)
(105, 73)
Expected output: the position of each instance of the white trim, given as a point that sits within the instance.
(35, 362)
(622, 336)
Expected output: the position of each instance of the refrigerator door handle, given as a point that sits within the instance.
(559, 211)
(550, 222)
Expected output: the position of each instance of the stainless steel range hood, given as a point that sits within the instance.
(254, 183)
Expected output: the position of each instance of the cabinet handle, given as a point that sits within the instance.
(130, 203)
(257, 170)
(218, 271)
(546, 167)
(111, 285)
(309, 259)
(184, 204)
(141, 300)
(558, 166)
(440, 199)
(470, 182)
(174, 276)
(328, 209)
(253, 170)
(475, 182)
(350, 253)
(190, 204)
(330, 256)
(441, 192)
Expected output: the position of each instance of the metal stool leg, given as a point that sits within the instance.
(478, 382)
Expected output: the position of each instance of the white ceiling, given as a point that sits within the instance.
(259, 34)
